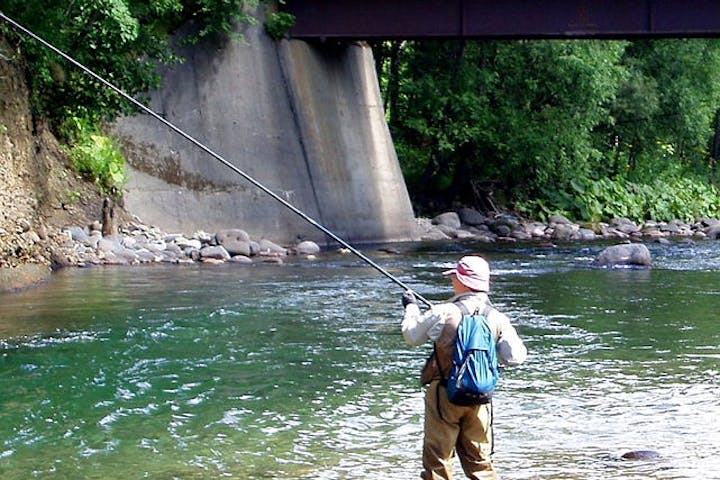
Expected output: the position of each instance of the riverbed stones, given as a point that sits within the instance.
(625, 254)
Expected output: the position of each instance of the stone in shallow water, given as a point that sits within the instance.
(641, 455)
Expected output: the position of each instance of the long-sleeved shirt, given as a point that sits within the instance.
(418, 327)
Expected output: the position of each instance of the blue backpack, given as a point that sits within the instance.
(475, 373)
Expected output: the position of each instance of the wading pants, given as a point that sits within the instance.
(451, 428)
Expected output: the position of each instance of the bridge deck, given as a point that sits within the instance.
(404, 19)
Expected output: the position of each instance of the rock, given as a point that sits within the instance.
(30, 237)
(559, 219)
(625, 254)
(216, 252)
(183, 243)
(433, 236)
(586, 234)
(212, 261)
(307, 247)
(463, 234)
(641, 455)
(521, 235)
(670, 228)
(173, 249)
(146, 256)
(240, 259)
(449, 219)
(109, 244)
(537, 229)
(233, 235)
(564, 232)
(269, 248)
(237, 247)
(713, 232)
(625, 225)
(78, 234)
(500, 229)
(157, 246)
(451, 232)
(470, 216)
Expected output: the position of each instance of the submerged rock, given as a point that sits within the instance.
(641, 455)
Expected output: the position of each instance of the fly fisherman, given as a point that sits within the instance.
(449, 427)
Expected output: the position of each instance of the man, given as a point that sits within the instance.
(451, 428)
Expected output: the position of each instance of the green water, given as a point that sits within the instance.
(299, 371)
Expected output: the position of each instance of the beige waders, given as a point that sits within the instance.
(451, 428)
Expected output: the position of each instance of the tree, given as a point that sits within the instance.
(521, 113)
(123, 40)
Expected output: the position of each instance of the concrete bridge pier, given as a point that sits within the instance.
(305, 120)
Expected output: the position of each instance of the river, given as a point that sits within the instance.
(299, 371)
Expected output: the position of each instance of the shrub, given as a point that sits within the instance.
(96, 157)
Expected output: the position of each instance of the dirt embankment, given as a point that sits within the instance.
(39, 191)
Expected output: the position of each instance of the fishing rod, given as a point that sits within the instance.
(212, 153)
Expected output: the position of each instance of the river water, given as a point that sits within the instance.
(299, 371)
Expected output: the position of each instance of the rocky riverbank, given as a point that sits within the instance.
(469, 224)
(136, 243)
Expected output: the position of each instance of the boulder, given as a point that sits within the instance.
(237, 247)
(235, 241)
(448, 230)
(78, 234)
(713, 232)
(216, 252)
(307, 247)
(269, 248)
(586, 234)
(232, 234)
(564, 232)
(433, 236)
(559, 219)
(470, 216)
(448, 219)
(625, 254)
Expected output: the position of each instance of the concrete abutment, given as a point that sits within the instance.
(305, 120)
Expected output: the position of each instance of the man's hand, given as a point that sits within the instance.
(408, 298)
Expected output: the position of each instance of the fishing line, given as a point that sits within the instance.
(212, 153)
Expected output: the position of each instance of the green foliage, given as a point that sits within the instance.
(663, 199)
(96, 156)
(593, 129)
(279, 23)
(123, 40)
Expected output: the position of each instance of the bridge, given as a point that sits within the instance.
(502, 19)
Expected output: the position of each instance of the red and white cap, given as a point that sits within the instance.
(473, 272)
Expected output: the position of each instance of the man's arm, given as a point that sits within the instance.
(510, 348)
